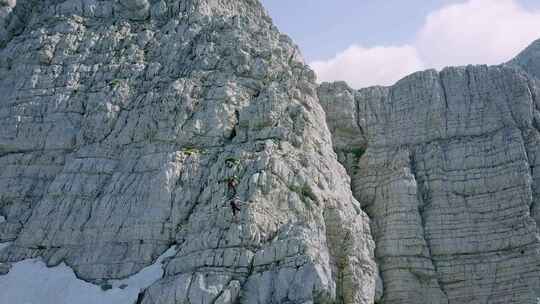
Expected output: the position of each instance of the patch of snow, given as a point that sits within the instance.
(2, 219)
(31, 282)
(147, 276)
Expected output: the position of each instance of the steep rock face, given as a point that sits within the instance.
(450, 181)
(349, 140)
(529, 59)
(121, 124)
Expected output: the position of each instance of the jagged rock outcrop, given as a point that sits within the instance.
(121, 123)
(529, 59)
(450, 180)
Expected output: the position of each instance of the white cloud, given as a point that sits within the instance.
(477, 32)
(362, 67)
(471, 32)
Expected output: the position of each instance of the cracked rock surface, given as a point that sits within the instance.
(449, 175)
(121, 124)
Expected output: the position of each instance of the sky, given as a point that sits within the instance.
(374, 42)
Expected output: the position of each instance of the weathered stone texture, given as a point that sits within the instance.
(529, 59)
(449, 180)
(120, 124)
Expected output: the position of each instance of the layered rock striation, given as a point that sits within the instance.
(121, 124)
(447, 171)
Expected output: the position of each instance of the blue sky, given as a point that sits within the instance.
(402, 31)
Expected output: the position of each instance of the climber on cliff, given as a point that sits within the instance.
(232, 183)
(235, 207)
(234, 201)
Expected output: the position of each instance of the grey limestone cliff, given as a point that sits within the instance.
(124, 122)
(121, 123)
(449, 178)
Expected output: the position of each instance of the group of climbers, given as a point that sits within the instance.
(234, 201)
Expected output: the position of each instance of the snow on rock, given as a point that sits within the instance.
(2, 219)
(148, 275)
(31, 282)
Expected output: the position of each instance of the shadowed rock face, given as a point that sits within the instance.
(121, 123)
(450, 181)
(6, 6)
(529, 59)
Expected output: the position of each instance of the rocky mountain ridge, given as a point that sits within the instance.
(124, 122)
(448, 177)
